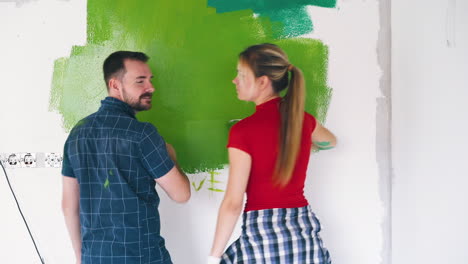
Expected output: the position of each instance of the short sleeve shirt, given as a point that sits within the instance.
(258, 135)
(116, 159)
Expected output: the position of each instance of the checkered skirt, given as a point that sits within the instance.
(280, 235)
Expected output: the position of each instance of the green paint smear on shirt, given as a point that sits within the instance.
(194, 53)
(106, 183)
(291, 14)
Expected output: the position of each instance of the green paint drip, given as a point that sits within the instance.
(291, 14)
(215, 190)
(213, 181)
(194, 53)
(200, 185)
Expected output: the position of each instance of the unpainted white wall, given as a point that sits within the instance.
(429, 133)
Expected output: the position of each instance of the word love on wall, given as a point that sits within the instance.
(193, 47)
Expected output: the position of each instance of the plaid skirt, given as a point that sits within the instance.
(280, 235)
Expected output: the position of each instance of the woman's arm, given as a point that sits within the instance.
(239, 170)
(322, 138)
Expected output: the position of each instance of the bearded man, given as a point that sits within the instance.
(111, 165)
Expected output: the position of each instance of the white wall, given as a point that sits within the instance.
(344, 185)
(32, 36)
(430, 128)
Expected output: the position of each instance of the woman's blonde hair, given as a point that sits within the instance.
(269, 60)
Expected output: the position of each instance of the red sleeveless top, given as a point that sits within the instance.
(258, 135)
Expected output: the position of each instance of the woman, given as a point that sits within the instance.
(268, 156)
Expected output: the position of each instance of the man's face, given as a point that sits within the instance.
(137, 89)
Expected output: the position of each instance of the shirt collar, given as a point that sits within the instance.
(268, 104)
(114, 104)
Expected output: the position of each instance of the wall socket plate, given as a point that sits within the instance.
(18, 160)
(13, 160)
(28, 160)
(31, 160)
(53, 160)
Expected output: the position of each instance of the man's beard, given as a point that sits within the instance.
(135, 103)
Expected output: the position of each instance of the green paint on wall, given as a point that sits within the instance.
(291, 15)
(200, 185)
(193, 54)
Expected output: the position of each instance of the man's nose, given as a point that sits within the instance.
(150, 88)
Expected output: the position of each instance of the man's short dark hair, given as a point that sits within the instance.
(114, 64)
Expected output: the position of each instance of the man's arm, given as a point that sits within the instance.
(71, 212)
(175, 183)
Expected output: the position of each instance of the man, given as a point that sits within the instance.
(111, 165)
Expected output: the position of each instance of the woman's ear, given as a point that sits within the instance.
(263, 82)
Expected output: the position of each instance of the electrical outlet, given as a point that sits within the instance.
(28, 160)
(13, 160)
(31, 160)
(53, 160)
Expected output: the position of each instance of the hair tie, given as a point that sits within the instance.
(290, 67)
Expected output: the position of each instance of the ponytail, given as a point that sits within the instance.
(292, 116)
(269, 60)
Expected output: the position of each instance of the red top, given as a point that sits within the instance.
(258, 135)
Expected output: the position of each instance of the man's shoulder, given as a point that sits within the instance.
(147, 129)
(81, 124)
(114, 124)
(123, 125)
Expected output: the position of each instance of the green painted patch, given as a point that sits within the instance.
(215, 190)
(200, 184)
(194, 53)
(289, 17)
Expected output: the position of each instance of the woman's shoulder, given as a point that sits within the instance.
(309, 117)
(310, 121)
(243, 123)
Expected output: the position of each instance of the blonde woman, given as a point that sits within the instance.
(268, 156)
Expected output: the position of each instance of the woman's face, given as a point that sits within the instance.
(245, 82)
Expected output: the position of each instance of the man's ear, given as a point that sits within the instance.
(114, 85)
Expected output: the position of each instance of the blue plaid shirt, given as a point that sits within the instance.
(115, 159)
